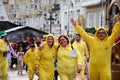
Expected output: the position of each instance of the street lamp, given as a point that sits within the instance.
(50, 18)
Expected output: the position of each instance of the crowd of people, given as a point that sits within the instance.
(53, 56)
(12, 54)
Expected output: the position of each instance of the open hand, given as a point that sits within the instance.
(79, 69)
(37, 71)
(73, 22)
(41, 46)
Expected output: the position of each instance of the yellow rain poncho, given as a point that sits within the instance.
(66, 62)
(100, 53)
(45, 60)
(29, 59)
(82, 47)
(3, 60)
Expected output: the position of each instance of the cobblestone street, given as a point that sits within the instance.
(12, 75)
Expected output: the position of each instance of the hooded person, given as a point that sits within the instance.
(45, 58)
(3, 55)
(69, 60)
(100, 47)
(82, 47)
(29, 59)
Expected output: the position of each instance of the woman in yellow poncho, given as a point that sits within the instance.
(69, 60)
(100, 50)
(45, 58)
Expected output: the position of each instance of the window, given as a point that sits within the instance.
(13, 7)
(5, 1)
(99, 18)
(36, 8)
(95, 19)
(17, 8)
(103, 17)
(65, 20)
(71, 4)
(32, 6)
(89, 19)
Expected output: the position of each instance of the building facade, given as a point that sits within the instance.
(68, 10)
(53, 16)
(37, 14)
(95, 13)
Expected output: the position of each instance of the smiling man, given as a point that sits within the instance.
(100, 50)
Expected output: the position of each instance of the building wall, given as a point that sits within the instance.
(31, 13)
(95, 13)
(95, 16)
(69, 10)
(3, 14)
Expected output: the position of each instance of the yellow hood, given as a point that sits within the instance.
(98, 29)
(65, 37)
(46, 37)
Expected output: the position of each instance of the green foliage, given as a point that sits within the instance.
(90, 30)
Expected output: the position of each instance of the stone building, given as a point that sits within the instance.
(38, 14)
(95, 12)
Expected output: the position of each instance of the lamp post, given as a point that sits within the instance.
(50, 18)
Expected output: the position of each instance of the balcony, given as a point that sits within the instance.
(56, 7)
(5, 1)
(87, 3)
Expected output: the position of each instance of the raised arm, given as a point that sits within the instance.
(116, 30)
(81, 31)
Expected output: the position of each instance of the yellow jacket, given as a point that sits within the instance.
(3, 48)
(100, 51)
(66, 62)
(45, 57)
(82, 47)
(29, 57)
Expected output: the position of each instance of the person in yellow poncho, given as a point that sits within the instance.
(69, 60)
(82, 47)
(100, 50)
(3, 55)
(29, 59)
(45, 58)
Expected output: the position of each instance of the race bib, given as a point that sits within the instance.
(74, 54)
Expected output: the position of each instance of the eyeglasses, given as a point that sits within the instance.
(101, 33)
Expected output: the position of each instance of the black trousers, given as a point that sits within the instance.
(55, 75)
(13, 61)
